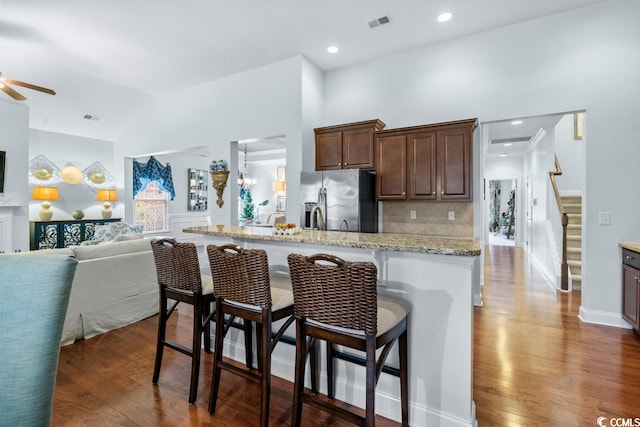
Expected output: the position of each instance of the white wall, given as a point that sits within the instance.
(62, 149)
(14, 139)
(571, 155)
(583, 59)
(263, 102)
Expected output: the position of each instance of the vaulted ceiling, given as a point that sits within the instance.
(109, 59)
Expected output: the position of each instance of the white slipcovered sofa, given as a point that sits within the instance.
(115, 284)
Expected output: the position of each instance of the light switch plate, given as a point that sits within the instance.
(452, 215)
(413, 214)
(605, 218)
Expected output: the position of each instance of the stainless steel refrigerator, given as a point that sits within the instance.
(347, 199)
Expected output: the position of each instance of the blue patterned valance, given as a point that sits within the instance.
(144, 173)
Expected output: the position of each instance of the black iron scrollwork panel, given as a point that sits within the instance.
(48, 236)
(89, 230)
(72, 234)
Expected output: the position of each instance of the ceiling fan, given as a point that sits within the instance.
(4, 86)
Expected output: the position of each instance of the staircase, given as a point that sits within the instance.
(573, 208)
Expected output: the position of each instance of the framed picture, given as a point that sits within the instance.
(281, 204)
(578, 125)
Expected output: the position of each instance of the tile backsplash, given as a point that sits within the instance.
(431, 218)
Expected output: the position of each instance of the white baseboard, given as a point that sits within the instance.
(602, 318)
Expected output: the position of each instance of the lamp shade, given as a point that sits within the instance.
(107, 196)
(45, 193)
(279, 186)
(71, 175)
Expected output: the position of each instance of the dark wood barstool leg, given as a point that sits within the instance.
(330, 374)
(248, 343)
(314, 363)
(217, 358)
(207, 327)
(404, 378)
(195, 352)
(370, 411)
(298, 384)
(162, 330)
(265, 366)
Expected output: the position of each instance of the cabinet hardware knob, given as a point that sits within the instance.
(339, 164)
(629, 257)
(442, 193)
(403, 193)
(433, 193)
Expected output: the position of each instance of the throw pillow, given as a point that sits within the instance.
(107, 232)
(127, 236)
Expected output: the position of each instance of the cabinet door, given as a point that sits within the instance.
(391, 175)
(454, 164)
(329, 151)
(421, 166)
(72, 233)
(357, 149)
(630, 279)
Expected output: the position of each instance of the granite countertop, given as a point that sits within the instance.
(631, 246)
(438, 245)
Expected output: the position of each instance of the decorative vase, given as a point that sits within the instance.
(77, 214)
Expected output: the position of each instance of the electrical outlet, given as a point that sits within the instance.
(452, 215)
(413, 214)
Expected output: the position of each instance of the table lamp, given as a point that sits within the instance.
(45, 194)
(107, 196)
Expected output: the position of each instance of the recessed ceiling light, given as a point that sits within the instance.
(516, 122)
(444, 17)
(503, 155)
(508, 144)
(332, 49)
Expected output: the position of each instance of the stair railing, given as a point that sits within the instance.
(564, 266)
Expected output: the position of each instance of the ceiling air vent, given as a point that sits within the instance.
(91, 117)
(380, 21)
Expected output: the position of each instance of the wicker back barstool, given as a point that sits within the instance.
(243, 288)
(337, 301)
(179, 279)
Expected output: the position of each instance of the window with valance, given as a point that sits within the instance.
(152, 170)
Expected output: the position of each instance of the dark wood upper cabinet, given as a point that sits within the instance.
(422, 160)
(429, 162)
(454, 163)
(347, 146)
(391, 152)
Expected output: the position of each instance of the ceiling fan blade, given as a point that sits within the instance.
(30, 86)
(12, 93)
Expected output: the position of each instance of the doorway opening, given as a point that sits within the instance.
(502, 212)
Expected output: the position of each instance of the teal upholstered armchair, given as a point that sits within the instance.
(34, 294)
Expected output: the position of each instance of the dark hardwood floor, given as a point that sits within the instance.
(535, 364)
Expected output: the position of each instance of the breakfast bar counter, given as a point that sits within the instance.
(434, 275)
(437, 245)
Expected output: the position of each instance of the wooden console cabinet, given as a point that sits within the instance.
(62, 233)
(631, 288)
(429, 162)
(347, 146)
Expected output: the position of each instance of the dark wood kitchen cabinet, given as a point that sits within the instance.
(347, 146)
(429, 162)
(631, 288)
